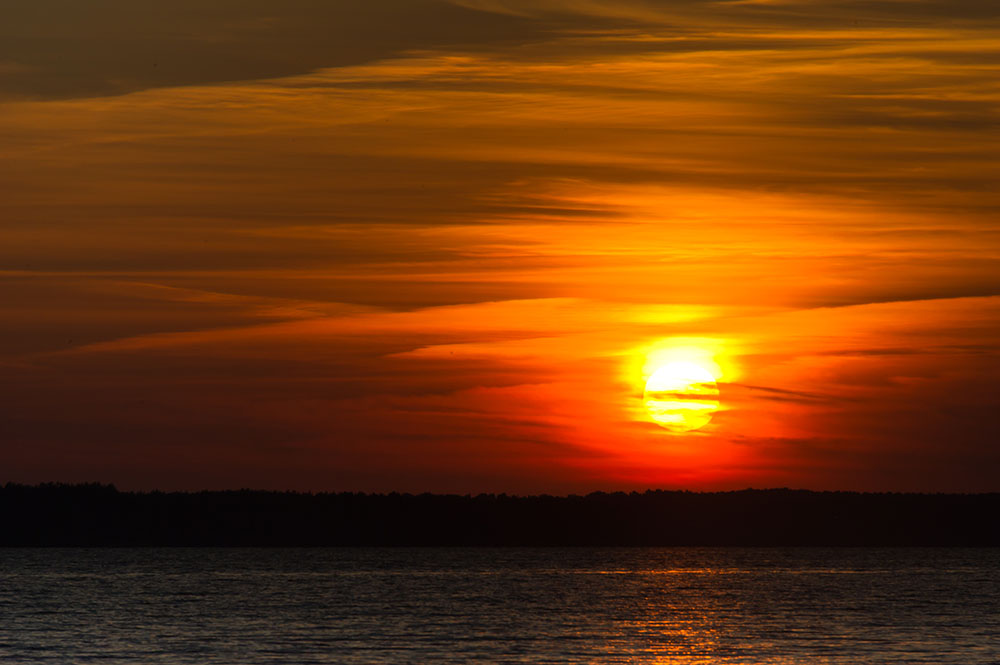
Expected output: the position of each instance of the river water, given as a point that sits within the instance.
(574, 605)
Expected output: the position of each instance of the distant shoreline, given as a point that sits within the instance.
(96, 515)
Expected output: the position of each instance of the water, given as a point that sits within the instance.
(674, 605)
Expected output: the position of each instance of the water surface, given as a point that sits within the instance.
(505, 605)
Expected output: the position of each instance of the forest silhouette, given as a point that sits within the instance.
(92, 514)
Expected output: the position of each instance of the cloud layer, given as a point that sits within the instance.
(431, 246)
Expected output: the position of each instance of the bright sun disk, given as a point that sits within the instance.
(681, 396)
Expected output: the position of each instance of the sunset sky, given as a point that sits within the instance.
(432, 245)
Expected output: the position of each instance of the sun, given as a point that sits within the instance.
(681, 396)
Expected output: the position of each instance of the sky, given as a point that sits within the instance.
(433, 245)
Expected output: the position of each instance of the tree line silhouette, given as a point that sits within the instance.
(92, 514)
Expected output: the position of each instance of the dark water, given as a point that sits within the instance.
(675, 606)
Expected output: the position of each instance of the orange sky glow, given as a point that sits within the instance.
(440, 246)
